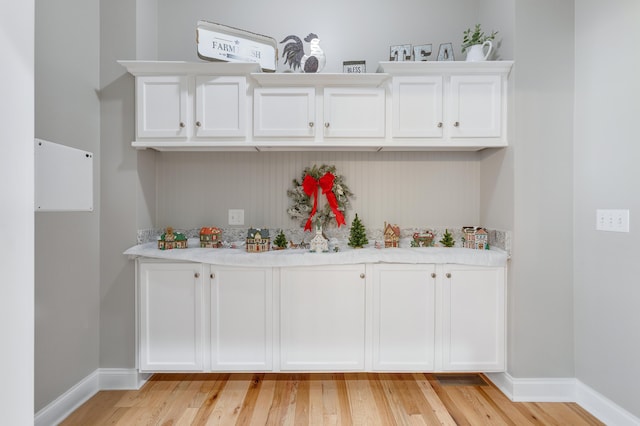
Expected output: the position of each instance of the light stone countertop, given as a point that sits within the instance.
(301, 257)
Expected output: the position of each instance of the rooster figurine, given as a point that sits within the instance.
(293, 53)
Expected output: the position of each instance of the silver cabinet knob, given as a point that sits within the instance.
(182, 124)
(448, 274)
(456, 124)
(212, 276)
(439, 124)
(326, 125)
(197, 275)
(198, 124)
(311, 124)
(433, 275)
(362, 275)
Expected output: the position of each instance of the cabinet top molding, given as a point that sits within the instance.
(445, 67)
(385, 69)
(138, 68)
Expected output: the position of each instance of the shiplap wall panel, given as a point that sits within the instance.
(412, 189)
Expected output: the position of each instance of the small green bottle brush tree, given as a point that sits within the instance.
(447, 239)
(281, 241)
(357, 234)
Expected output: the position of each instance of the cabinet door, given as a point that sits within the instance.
(285, 112)
(473, 322)
(476, 106)
(322, 323)
(404, 317)
(171, 312)
(161, 106)
(354, 112)
(241, 318)
(417, 107)
(220, 106)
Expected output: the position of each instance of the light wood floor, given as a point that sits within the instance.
(320, 399)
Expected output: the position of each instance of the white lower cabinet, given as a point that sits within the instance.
(404, 317)
(241, 318)
(375, 317)
(171, 309)
(473, 318)
(322, 318)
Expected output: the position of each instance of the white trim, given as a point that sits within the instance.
(78, 394)
(563, 390)
(603, 408)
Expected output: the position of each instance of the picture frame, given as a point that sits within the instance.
(400, 53)
(421, 52)
(354, 67)
(445, 52)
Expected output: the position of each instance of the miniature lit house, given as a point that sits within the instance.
(210, 237)
(258, 240)
(391, 235)
(475, 238)
(170, 240)
(319, 243)
(423, 239)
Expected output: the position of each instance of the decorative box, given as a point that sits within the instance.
(258, 240)
(475, 237)
(210, 237)
(423, 239)
(218, 42)
(170, 240)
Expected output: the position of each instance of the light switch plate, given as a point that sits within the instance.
(236, 217)
(612, 220)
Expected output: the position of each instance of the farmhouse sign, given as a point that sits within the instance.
(218, 42)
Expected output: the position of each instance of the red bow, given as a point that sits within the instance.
(310, 187)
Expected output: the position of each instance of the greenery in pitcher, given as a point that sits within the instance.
(477, 36)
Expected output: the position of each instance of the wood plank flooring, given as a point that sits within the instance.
(320, 399)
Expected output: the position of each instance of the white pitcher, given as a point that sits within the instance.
(476, 53)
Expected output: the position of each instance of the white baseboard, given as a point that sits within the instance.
(563, 390)
(100, 379)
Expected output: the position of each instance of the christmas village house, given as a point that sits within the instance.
(172, 240)
(475, 238)
(257, 240)
(210, 237)
(391, 235)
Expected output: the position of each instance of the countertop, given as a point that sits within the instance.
(301, 257)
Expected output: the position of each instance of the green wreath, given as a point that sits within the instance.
(303, 201)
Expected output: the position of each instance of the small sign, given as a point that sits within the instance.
(354, 67)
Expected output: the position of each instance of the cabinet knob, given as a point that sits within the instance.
(326, 124)
(197, 275)
(362, 275)
(433, 275)
(212, 276)
(456, 124)
(311, 124)
(198, 124)
(181, 125)
(448, 274)
(439, 124)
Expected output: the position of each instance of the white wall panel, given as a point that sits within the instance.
(410, 189)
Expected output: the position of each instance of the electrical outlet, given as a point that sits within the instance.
(236, 217)
(612, 220)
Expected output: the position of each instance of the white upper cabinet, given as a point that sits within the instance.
(161, 107)
(354, 112)
(458, 105)
(417, 107)
(475, 106)
(404, 106)
(284, 112)
(221, 106)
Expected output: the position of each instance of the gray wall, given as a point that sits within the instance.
(606, 154)
(67, 111)
(16, 214)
